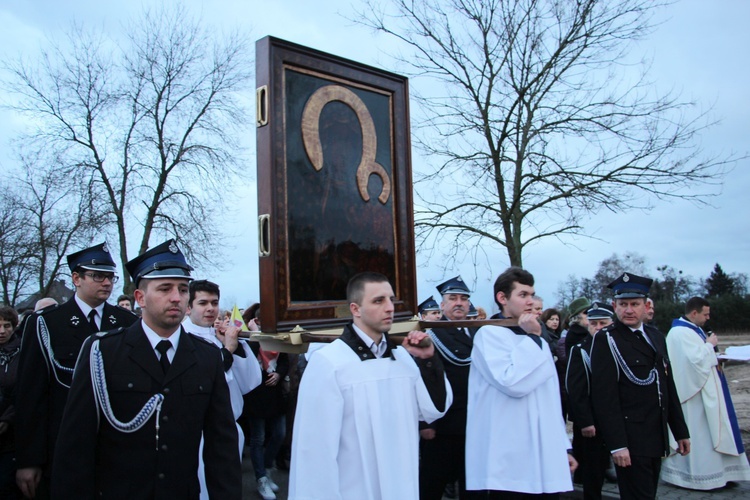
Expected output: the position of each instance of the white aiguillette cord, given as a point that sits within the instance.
(101, 395)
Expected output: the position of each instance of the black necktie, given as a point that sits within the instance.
(641, 335)
(92, 320)
(163, 346)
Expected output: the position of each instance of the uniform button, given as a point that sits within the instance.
(166, 390)
(164, 447)
(130, 385)
(364, 355)
(165, 418)
(200, 388)
(429, 364)
(360, 348)
(161, 475)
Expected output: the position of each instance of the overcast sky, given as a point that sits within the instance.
(702, 48)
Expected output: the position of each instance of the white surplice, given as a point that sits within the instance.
(515, 433)
(713, 459)
(356, 429)
(242, 377)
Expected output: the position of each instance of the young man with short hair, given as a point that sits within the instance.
(588, 445)
(143, 397)
(241, 368)
(125, 301)
(51, 342)
(516, 443)
(360, 400)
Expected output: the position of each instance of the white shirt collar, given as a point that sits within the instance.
(378, 349)
(643, 332)
(154, 339)
(86, 309)
(203, 331)
(639, 328)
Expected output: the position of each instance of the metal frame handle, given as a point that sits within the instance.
(264, 235)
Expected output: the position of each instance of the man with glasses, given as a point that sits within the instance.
(143, 396)
(51, 341)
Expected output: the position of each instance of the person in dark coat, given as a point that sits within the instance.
(52, 339)
(443, 442)
(264, 413)
(633, 394)
(141, 399)
(588, 446)
(577, 323)
(10, 345)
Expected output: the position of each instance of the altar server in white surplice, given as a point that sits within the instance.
(718, 455)
(516, 443)
(241, 369)
(356, 431)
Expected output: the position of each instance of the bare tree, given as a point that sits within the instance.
(58, 214)
(16, 259)
(148, 124)
(535, 119)
(44, 216)
(595, 288)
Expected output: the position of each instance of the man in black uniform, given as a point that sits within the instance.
(51, 341)
(443, 441)
(142, 397)
(588, 446)
(632, 392)
(429, 310)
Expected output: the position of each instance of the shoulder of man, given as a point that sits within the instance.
(445, 331)
(652, 330)
(120, 311)
(109, 334)
(54, 309)
(201, 342)
(53, 315)
(600, 338)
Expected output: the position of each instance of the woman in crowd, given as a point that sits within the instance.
(552, 319)
(10, 345)
(264, 414)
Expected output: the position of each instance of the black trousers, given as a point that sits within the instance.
(441, 462)
(640, 480)
(593, 460)
(510, 495)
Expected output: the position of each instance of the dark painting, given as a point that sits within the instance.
(333, 231)
(334, 184)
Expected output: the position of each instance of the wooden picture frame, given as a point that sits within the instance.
(334, 184)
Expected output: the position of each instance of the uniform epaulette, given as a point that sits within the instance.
(48, 309)
(110, 333)
(607, 328)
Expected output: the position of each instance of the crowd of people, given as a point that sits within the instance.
(98, 402)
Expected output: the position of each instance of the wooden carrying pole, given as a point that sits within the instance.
(297, 340)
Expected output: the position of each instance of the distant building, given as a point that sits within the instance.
(58, 291)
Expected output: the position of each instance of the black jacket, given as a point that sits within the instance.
(578, 385)
(628, 414)
(459, 345)
(95, 460)
(42, 388)
(267, 401)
